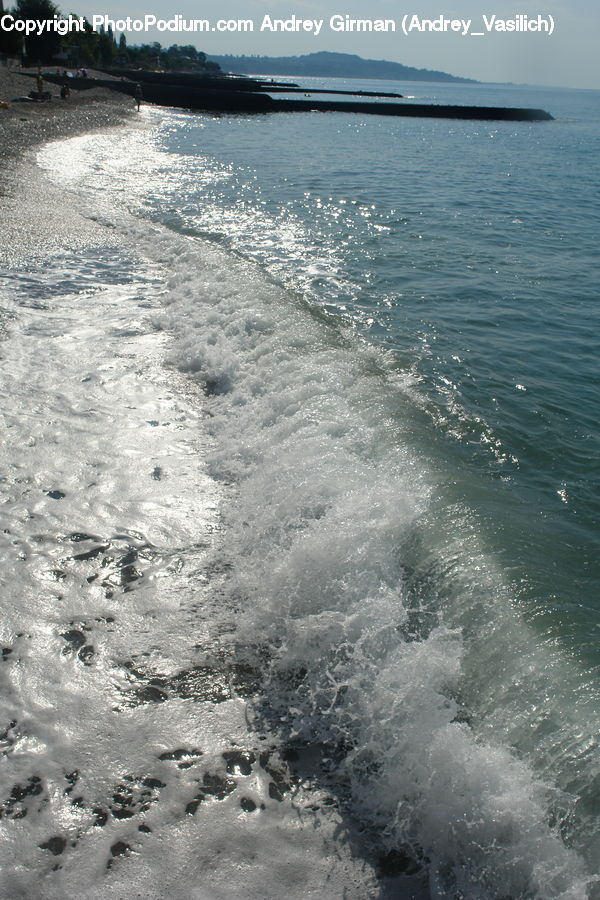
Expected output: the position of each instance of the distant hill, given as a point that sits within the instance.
(331, 65)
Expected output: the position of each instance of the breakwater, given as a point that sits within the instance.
(251, 96)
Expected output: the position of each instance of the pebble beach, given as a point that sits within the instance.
(131, 767)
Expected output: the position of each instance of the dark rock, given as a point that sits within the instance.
(239, 760)
(101, 816)
(71, 778)
(85, 654)
(120, 848)
(398, 862)
(55, 845)
(216, 786)
(153, 783)
(179, 754)
(75, 638)
(91, 554)
(274, 792)
(150, 694)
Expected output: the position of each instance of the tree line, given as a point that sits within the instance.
(90, 48)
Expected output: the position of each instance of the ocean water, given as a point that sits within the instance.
(301, 475)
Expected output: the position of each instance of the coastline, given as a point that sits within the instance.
(201, 766)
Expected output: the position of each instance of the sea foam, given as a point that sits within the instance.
(386, 636)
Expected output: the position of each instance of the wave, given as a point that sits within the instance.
(364, 592)
(387, 637)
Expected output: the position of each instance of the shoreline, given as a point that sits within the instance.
(28, 123)
(109, 590)
(205, 785)
(25, 126)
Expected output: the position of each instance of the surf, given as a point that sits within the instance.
(395, 661)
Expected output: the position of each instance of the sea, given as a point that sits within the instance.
(300, 471)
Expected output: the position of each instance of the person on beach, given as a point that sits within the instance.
(138, 96)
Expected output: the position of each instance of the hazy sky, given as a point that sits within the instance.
(569, 57)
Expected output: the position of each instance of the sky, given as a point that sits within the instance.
(568, 57)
